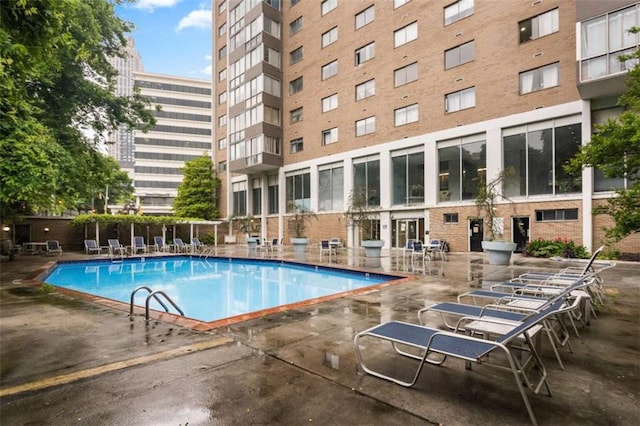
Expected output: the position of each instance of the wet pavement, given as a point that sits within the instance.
(65, 361)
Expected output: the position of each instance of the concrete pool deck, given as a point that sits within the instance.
(65, 361)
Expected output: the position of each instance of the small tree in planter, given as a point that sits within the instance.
(298, 225)
(362, 216)
(489, 193)
(248, 225)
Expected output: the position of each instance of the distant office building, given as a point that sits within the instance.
(182, 133)
(413, 102)
(121, 140)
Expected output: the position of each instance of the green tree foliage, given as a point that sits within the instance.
(615, 150)
(57, 87)
(197, 192)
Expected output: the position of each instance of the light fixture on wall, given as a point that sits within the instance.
(46, 229)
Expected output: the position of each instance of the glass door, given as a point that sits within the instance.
(406, 229)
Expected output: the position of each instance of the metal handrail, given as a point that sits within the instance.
(153, 294)
(144, 287)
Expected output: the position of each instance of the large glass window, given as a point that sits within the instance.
(459, 55)
(365, 53)
(330, 102)
(296, 145)
(406, 74)
(458, 10)
(298, 192)
(329, 70)
(408, 177)
(406, 115)
(295, 86)
(327, 6)
(296, 55)
(273, 194)
(331, 188)
(295, 25)
(365, 126)
(539, 26)
(239, 198)
(296, 115)
(461, 163)
(329, 37)
(537, 154)
(256, 197)
(462, 99)
(330, 136)
(366, 89)
(366, 177)
(405, 34)
(604, 39)
(366, 16)
(601, 182)
(539, 78)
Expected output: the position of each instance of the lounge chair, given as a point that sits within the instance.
(325, 248)
(139, 245)
(198, 247)
(160, 244)
(437, 248)
(115, 248)
(180, 246)
(418, 252)
(407, 249)
(53, 247)
(91, 246)
(426, 341)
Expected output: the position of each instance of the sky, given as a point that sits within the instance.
(172, 36)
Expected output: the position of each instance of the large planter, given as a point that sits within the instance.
(498, 252)
(299, 245)
(372, 248)
(252, 243)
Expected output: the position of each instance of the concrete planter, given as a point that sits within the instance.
(299, 245)
(372, 248)
(498, 252)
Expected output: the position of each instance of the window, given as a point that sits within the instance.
(398, 3)
(222, 97)
(366, 16)
(539, 26)
(406, 74)
(459, 55)
(604, 39)
(222, 52)
(331, 188)
(365, 53)
(222, 75)
(406, 115)
(296, 115)
(327, 6)
(329, 70)
(461, 162)
(556, 215)
(405, 34)
(329, 37)
(294, 2)
(222, 166)
(539, 78)
(295, 26)
(366, 178)
(365, 126)
(295, 86)
(273, 194)
(450, 218)
(222, 120)
(239, 198)
(407, 181)
(222, 7)
(222, 143)
(330, 102)
(256, 197)
(295, 55)
(462, 99)
(222, 29)
(330, 136)
(295, 145)
(458, 10)
(366, 89)
(537, 154)
(298, 192)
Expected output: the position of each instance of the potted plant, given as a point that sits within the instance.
(362, 217)
(249, 226)
(297, 225)
(489, 193)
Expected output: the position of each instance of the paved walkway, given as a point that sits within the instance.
(64, 361)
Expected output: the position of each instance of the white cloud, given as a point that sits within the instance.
(206, 70)
(208, 57)
(150, 5)
(197, 19)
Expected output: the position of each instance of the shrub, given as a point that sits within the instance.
(558, 247)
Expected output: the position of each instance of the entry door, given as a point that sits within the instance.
(476, 234)
(405, 229)
(520, 232)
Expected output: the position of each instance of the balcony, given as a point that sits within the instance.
(256, 163)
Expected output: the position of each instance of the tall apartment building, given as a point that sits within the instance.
(121, 146)
(412, 102)
(182, 133)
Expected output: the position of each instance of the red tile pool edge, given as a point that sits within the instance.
(197, 325)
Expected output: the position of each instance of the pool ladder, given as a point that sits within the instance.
(152, 294)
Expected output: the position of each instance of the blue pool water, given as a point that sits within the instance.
(211, 289)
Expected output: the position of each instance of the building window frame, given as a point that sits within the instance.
(296, 115)
(329, 37)
(460, 100)
(538, 26)
(540, 78)
(330, 136)
(329, 70)
(405, 35)
(406, 115)
(405, 75)
(296, 145)
(295, 25)
(296, 85)
(365, 89)
(365, 17)
(365, 53)
(366, 126)
(457, 11)
(460, 55)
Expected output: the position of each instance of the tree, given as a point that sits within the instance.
(56, 88)
(197, 192)
(615, 150)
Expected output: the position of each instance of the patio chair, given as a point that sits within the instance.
(91, 246)
(115, 248)
(407, 249)
(325, 247)
(336, 244)
(197, 246)
(418, 252)
(180, 246)
(53, 247)
(424, 342)
(139, 245)
(160, 244)
(437, 248)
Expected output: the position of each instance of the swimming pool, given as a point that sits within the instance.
(212, 289)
